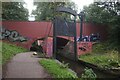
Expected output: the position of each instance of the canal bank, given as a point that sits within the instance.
(79, 67)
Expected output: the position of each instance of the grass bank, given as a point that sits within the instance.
(57, 70)
(0, 52)
(9, 50)
(102, 56)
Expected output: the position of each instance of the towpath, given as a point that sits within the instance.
(25, 65)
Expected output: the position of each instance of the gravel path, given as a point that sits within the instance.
(24, 65)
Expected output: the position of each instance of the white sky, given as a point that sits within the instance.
(79, 3)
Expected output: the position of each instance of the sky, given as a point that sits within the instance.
(79, 4)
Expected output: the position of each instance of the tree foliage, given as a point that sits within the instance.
(14, 11)
(46, 10)
(106, 13)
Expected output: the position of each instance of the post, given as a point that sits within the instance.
(81, 15)
(54, 39)
(75, 43)
(81, 28)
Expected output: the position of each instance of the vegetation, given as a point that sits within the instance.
(106, 13)
(57, 70)
(14, 11)
(9, 50)
(105, 58)
(0, 53)
(46, 10)
(88, 74)
(105, 54)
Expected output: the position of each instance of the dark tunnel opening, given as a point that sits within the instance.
(61, 42)
(36, 47)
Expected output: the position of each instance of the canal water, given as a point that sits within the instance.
(79, 68)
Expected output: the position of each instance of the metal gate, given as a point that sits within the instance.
(62, 27)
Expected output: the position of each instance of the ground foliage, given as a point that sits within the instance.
(56, 70)
(9, 50)
(103, 57)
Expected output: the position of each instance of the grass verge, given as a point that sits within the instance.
(0, 54)
(9, 50)
(56, 70)
(102, 57)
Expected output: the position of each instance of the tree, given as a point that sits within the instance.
(14, 11)
(106, 13)
(46, 10)
(96, 14)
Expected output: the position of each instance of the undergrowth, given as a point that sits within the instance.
(57, 70)
(102, 56)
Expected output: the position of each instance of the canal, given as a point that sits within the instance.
(79, 68)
